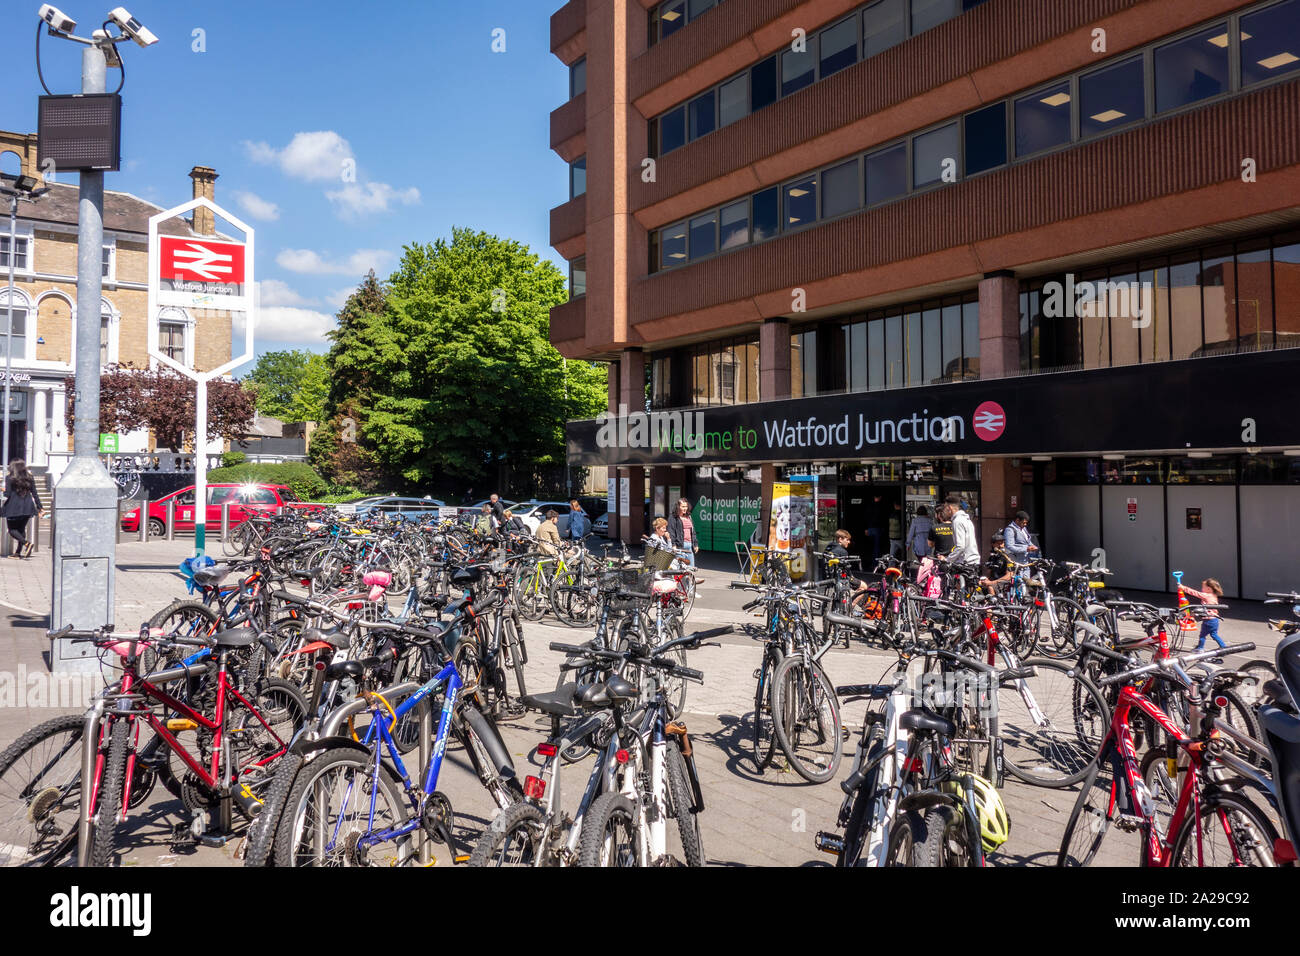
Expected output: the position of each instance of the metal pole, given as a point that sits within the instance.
(225, 521)
(9, 330)
(171, 518)
(83, 586)
(144, 519)
(200, 465)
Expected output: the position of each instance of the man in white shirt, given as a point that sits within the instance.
(965, 549)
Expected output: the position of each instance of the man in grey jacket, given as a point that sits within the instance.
(966, 549)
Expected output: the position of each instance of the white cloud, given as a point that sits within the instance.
(273, 292)
(310, 262)
(339, 297)
(283, 324)
(257, 207)
(363, 199)
(315, 157)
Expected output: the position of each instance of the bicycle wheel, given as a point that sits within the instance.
(512, 646)
(904, 837)
(559, 593)
(260, 850)
(514, 838)
(329, 810)
(806, 718)
(1062, 639)
(40, 793)
(1228, 831)
(1052, 724)
(945, 840)
(236, 542)
(763, 737)
(1090, 820)
(679, 806)
(609, 833)
(858, 827)
(530, 593)
(1160, 774)
(112, 784)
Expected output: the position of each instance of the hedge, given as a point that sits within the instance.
(301, 479)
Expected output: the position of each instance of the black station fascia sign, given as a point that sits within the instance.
(1165, 405)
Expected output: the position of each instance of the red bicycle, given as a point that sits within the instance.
(1213, 822)
(238, 736)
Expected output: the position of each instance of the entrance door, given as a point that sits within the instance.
(854, 509)
(17, 439)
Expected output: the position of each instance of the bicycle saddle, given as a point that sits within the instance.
(464, 577)
(334, 636)
(927, 720)
(210, 577)
(557, 703)
(614, 691)
(341, 669)
(310, 574)
(235, 637)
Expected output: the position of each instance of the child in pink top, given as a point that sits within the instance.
(1213, 594)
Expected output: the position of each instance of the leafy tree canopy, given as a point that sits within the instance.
(291, 385)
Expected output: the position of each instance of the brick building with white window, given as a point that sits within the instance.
(45, 302)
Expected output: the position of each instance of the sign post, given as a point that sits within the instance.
(187, 273)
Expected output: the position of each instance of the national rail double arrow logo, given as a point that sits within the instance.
(989, 421)
(203, 260)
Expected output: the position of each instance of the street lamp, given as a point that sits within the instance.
(23, 190)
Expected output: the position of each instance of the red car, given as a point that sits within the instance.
(244, 500)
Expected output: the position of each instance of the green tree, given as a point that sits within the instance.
(291, 385)
(459, 378)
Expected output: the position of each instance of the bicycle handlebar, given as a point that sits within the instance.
(1182, 661)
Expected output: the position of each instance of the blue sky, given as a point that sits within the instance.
(442, 130)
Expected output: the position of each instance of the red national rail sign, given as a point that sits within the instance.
(201, 260)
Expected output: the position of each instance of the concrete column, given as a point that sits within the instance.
(774, 359)
(631, 379)
(39, 430)
(631, 526)
(631, 396)
(999, 358)
(999, 325)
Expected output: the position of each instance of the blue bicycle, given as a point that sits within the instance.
(352, 802)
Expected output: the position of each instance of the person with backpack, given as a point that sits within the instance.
(21, 502)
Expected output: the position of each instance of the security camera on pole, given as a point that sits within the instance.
(200, 273)
(81, 133)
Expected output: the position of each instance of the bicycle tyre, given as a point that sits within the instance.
(512, 642)
(1060, 754)
(855, 831)
(1095, 802)
(797, 684)
(24, 753)
(103, 833)
(1258, 833)
(904, 839)
(679, 793)
(763, 736)
(1063, 641)
(945, 840)
(519, 820)
(606, 810)
(260, 848)
(293, 819)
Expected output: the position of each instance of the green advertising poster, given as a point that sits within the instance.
(701, 498)
(726, 517)
(751, 509)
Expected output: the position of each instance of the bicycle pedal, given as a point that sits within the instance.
(214, 839)
(1129, 822)
(460, 858)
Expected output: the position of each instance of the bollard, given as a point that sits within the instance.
(36, 533)
(171, 518)
(117, 528)
(225, 521)
(144, 519)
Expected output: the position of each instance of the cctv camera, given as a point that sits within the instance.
(57, 19)
(132, 27)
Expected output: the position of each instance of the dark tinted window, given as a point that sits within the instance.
(801, 203)
(840, 189)
(839, 46)
(673, 245)
(672, 17)
(1112, 98)
(884, 25)
(886, 173)
(762, 84)
(799, 68)
(704, 231)
(1270, 42)
(702, 115)
(1043, 120)
(672, 130)
(767, 214)
(1192, 69)
(986, 138)
(734, 225)
(930, 13)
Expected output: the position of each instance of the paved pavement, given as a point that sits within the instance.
(750, 818)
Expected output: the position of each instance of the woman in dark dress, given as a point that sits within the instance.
(21, 502)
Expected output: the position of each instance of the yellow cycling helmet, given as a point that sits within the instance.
(991, 812)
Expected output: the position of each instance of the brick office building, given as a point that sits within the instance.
(1071, 230)
(45, 297)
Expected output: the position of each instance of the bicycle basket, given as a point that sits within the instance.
(659, 559)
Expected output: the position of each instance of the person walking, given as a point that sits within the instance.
(896, 531)
(1212, 593)
(965, 546)
(579, 525)
(21, 502)
(940, 538)
(498, 508)
(682, 531)
(1018, 543)
(918, 532)
(548, 533)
